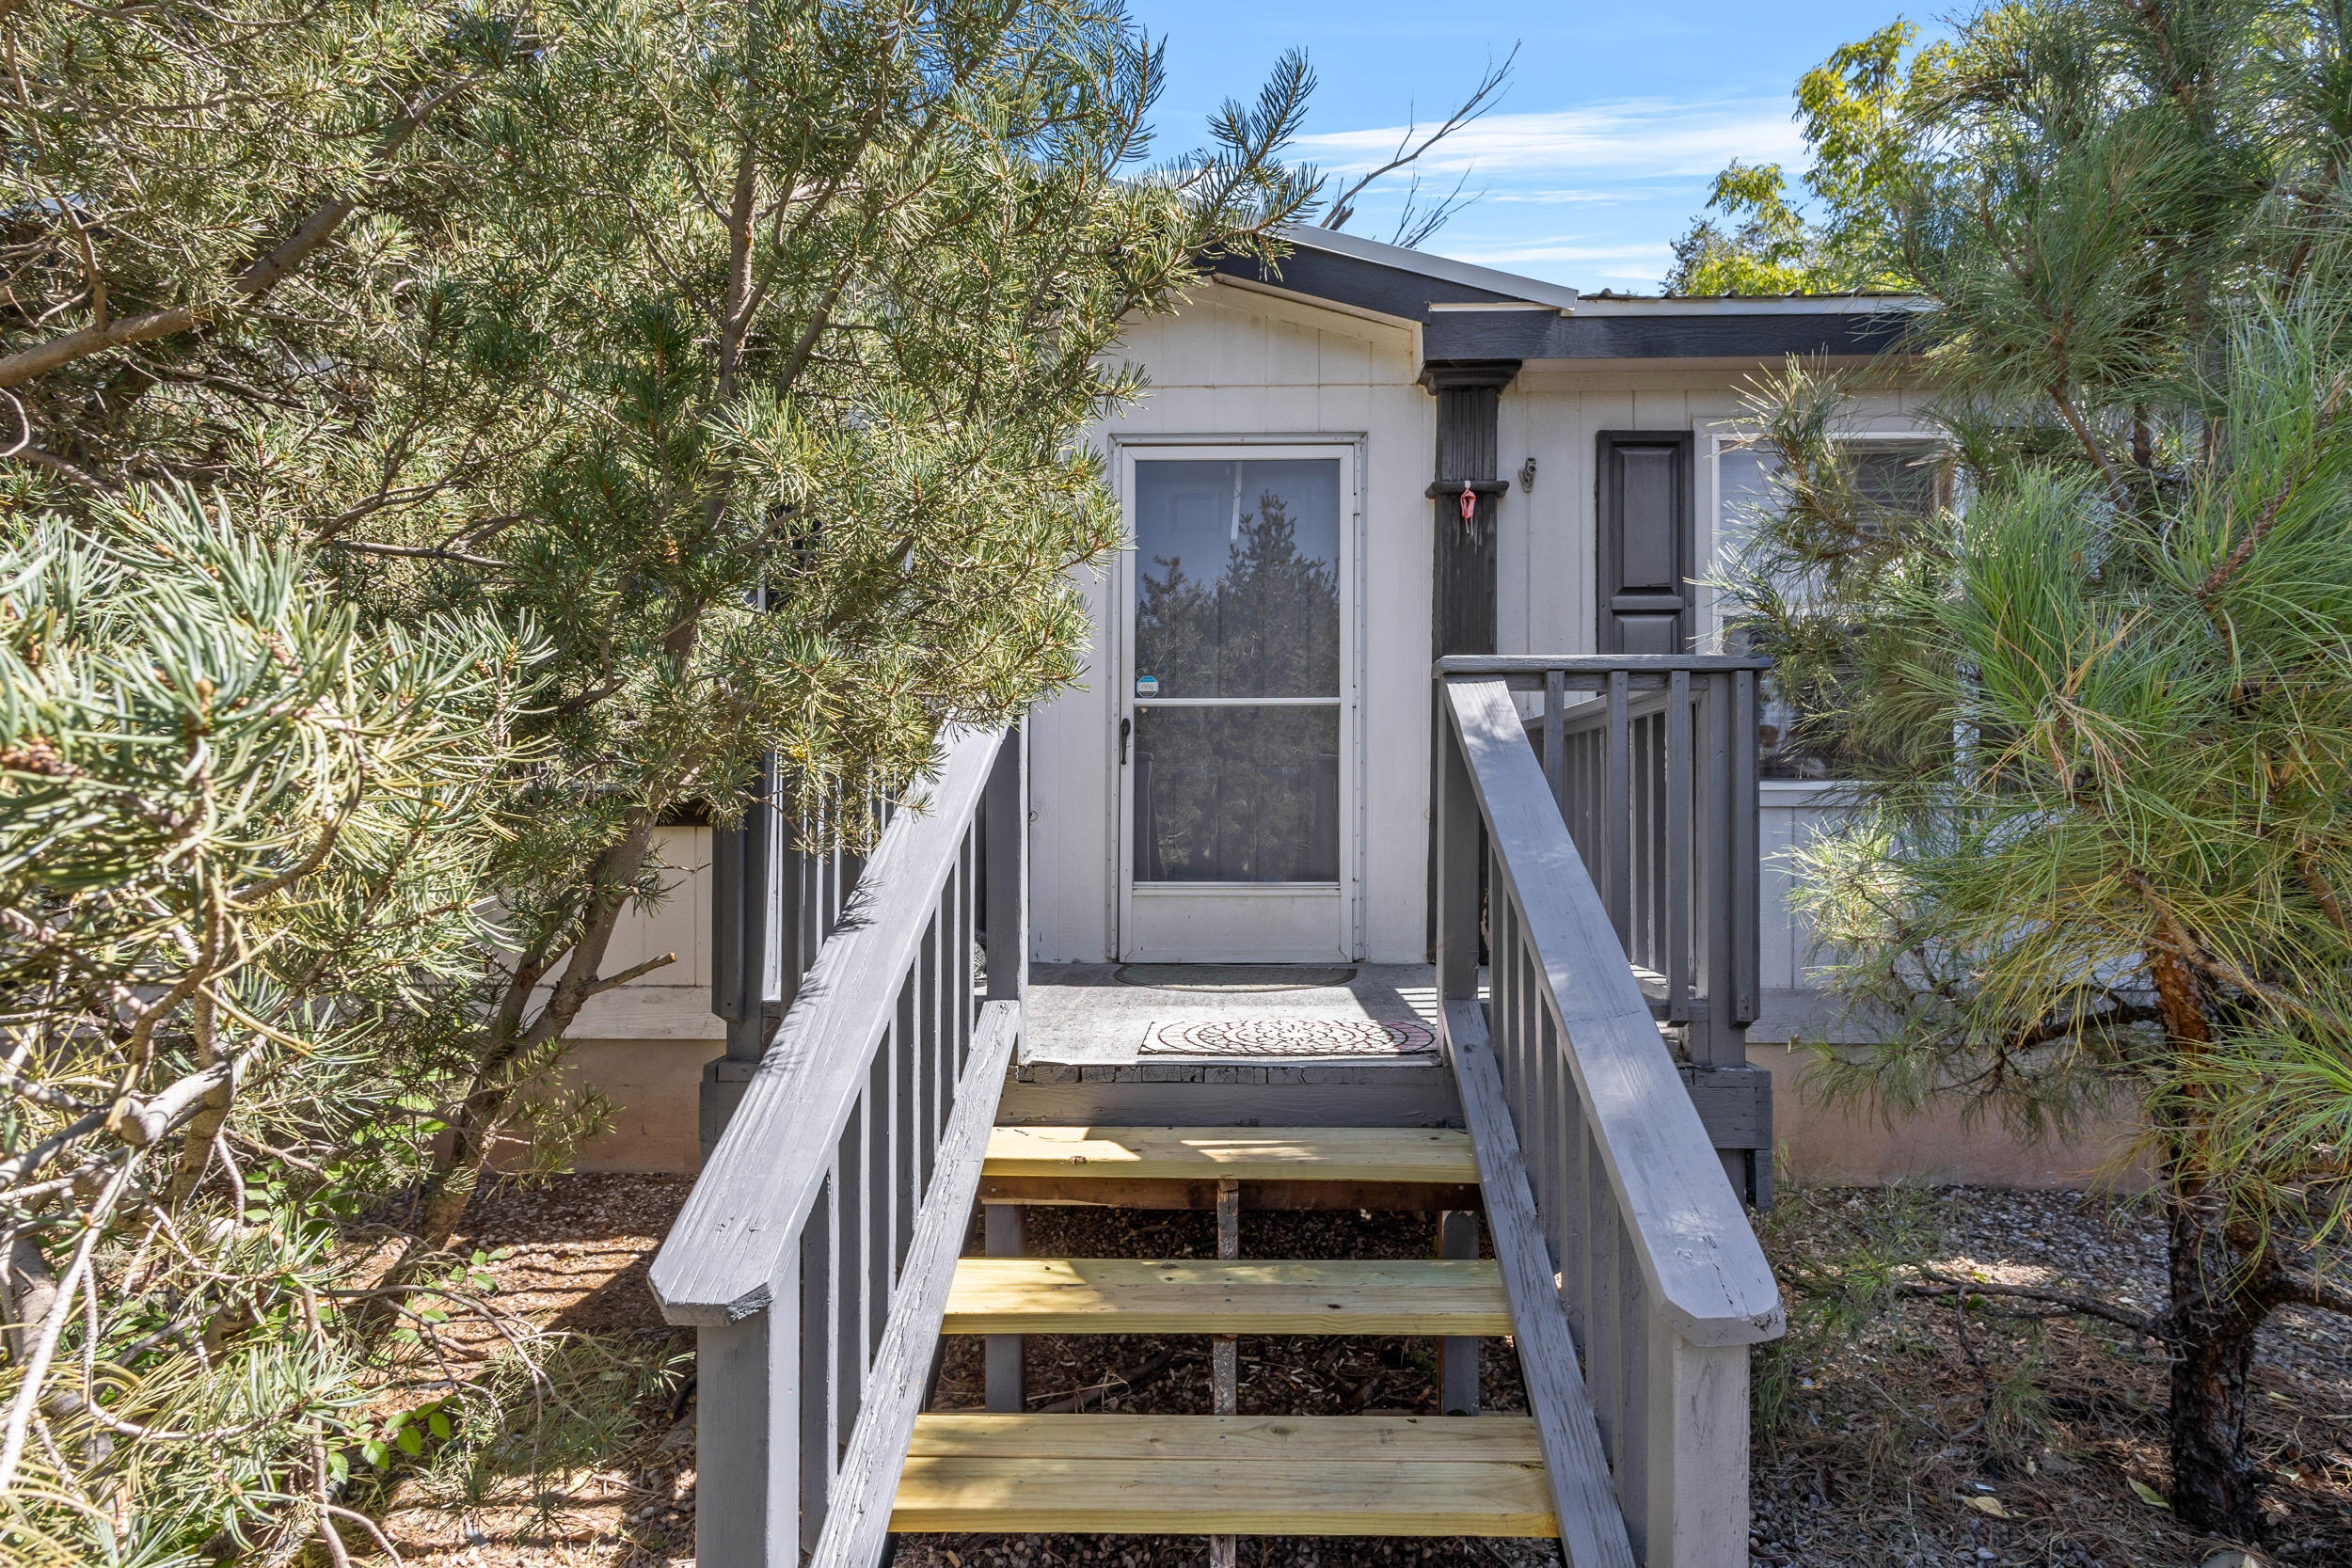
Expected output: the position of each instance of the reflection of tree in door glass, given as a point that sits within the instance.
(1265, 623)
(1240, 794)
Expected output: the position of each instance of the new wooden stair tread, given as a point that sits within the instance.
(1430, 1154)
(1188, 1296)
(1225, 1475)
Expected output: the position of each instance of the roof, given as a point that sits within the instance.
(1471, 312)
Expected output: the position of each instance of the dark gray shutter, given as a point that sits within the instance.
(1647, 603)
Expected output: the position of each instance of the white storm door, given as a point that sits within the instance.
(1237, 721)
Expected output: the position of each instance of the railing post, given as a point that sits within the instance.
(1696, 1452)
(754, 916)
(1006, 846)
(1738, 1095)
(1456, 832)
(747, 1420)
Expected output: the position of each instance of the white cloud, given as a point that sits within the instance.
(1550, 198)
(1654, 258)
(1630, 139)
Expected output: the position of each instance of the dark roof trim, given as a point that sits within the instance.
(1403, 284)
(1388, 290)
(1518, 334)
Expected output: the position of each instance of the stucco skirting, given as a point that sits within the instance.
(654, 1086)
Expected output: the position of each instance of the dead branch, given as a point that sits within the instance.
(1480, 102)
(1942, 1285)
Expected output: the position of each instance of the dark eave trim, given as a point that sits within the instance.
(1366, 285)
(1527, 335)
(1523, 334)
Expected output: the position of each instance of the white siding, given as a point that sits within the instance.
(1546, 571)
(1239, 363)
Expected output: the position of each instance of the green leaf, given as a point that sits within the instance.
(411, 1441)
(438, 1423)
(374, 1453)
(2147, 1494)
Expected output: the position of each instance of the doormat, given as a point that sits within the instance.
(1232, 977)
(1290, 1036)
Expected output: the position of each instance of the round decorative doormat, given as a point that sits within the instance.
(1290, 1036)
(1232, 977)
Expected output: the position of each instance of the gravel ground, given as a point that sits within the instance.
(1887, 1433)
(1893, 1434)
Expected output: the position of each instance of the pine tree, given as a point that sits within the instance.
(689, 383)
(2105, 703)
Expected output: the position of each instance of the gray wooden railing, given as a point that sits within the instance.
(1652, 759)
(1589, 1144)
(814, 1255)
(774, 904)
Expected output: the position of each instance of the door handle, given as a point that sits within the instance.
(1125, 725)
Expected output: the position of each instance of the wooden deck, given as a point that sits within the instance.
(818, 1258)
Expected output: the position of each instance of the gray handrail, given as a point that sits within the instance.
(813, 1254)
(1663, 1282)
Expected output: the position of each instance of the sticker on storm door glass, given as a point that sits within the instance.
(1147, 686)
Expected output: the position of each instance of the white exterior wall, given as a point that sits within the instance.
(1239, 363)
(1546, 571)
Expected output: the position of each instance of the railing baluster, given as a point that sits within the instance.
(967, 928)
(1569, 1218)
(1678, 871)
(1601, 1327)
(1555, 716)
(1630, 1454)
(923, 1036)
(905, 1175)
(851, 1235)
(881, 1214)
(820, 1407)
(1497, 913)
(1617, 829)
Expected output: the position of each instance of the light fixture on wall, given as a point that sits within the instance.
(1527, 474)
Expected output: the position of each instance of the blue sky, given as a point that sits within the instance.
(1616, 119)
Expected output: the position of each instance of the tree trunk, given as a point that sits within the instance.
(2217, 1310)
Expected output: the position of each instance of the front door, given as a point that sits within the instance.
(1238, 723)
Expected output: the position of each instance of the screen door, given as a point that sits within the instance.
(1237, 719)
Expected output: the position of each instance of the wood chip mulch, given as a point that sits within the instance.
(1888, 1437)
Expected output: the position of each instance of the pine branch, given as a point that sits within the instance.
(262, 275)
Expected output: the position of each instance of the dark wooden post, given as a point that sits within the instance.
(1462, 576)
(1462, 564)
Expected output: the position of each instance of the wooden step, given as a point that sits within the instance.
(1225, 1475)
(1434, 1154)
(1134, 1295)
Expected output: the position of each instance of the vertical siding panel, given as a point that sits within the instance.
(1515, 545)
(1293, 354)
(1344, 359)
(1241, 347)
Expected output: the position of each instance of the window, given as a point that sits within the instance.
(1895, 475)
